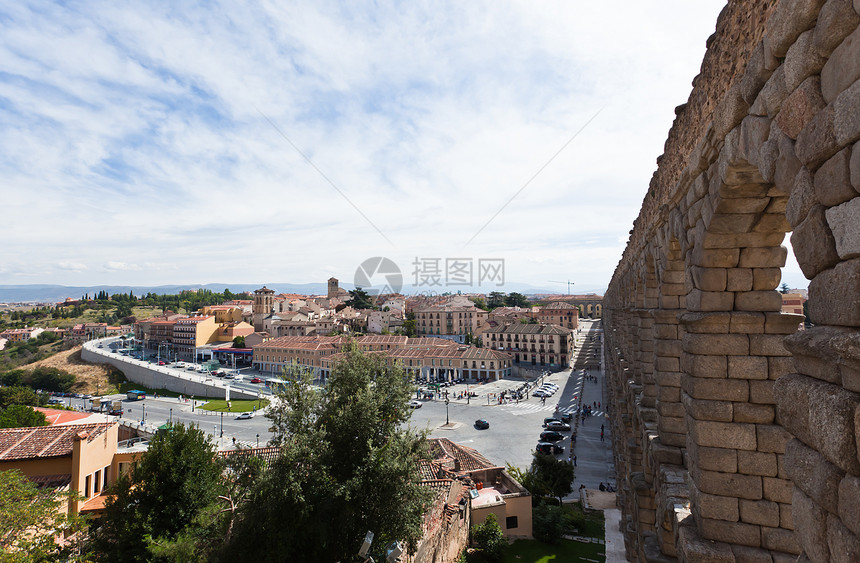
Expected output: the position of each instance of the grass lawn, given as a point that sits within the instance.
(127, 386)
(533, 551)
(239, 405)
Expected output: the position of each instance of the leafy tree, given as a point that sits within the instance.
(547, 476)
(548, 522)
(515, 299)
(409, 325)
(490, 538)
(496, 299)
(51, 379)
(360, 299)
(16, 416)
(18, 395)
(162, 496)
(239, 342)
(348, 464)
(32, 518)
(784, 288)
(12, 378)
(479, 303)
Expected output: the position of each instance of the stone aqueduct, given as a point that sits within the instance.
(736, 435)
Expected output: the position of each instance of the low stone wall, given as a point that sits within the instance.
(160, 378)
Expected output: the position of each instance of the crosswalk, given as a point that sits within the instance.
(526, 408)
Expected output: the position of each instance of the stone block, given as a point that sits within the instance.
(715, 257)
(758, 300)
(691, 547)
(698, 300)
(757, 463)
(757, 72)
(810, 526)
(709, 279)
(761, 392)
(787, 22)
(844, 546)
(716, 389)
(668, 378)
(792, 397)
(703, 410)
(845, 227)
(776, 489)
(831, 421)
(734, 484)
(778, 539)
(730, 532)
(766, 278)
(854, 166)
(813, 243)
(817, 142)
(747, 367)
(800, 107)
(667, 348)
(846, 118)
(757, 414)
(760, 512)
(779, 366)
(832, 181)
(782, 323)
(801, 61)
(834, 295)
(763, 257)
(670, 409)
(709, 367)
(786, 519)
(768, 345)
(802, 197)
(722, 460)
(849, 502)
(746, 554)
(813, 474)
(842, 68)
(669, 394)
(715, 506)
(739, 279)
(754, 131)
(774, 222)
(666, 332)
(717, 344)
(836, 20)
(741, 205)
(771, 438)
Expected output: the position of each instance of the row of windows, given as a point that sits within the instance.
(96, 482)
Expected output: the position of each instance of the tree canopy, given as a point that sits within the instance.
(348, 465)
(361, 299)
(17, 416)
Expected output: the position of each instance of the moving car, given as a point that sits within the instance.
(415, 404)
(549, 448)
(482, 424)
(551, 436)
(256, 380)
(558, 426)
(245, 416)
(541, 393)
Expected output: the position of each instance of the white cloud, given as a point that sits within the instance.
(71, 266)
(122, 267)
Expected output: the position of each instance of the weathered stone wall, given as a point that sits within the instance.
(737, 434)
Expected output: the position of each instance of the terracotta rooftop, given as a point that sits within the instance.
(46, 441)
(51, 481)
(521, 328)
(57, 416)
(558, 305)
(469, 458)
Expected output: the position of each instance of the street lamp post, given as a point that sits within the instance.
(447, 420)
(144, 412)
(222, 424)
(171, 417)
(192, 403)
(258, 440)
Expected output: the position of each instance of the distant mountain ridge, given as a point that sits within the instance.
(47, 293)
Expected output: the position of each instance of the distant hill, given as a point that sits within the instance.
(45, 293)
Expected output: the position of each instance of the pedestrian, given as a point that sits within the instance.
(601, 428)
(574, 461)
(598, 404)
(601, 435)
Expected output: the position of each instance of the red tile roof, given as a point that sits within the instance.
(57, 416)
(46, 441)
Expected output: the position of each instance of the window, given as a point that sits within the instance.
(511, 522)
(87, 486)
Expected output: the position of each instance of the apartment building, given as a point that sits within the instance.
(191, 332)
(447, 321)
(21, 334)
(533, 344)
(557, 313)
(222, 313)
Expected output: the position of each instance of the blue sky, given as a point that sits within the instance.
(138, 144)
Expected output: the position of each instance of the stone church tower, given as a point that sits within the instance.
(264, 302)
(332, 288)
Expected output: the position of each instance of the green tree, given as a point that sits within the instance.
(51, 379)
(546, 477)
(496, 299)
(479, 303)
(548, 522)
(515, 299)
(409, 325)
(18, 395)
(239, 342)
(360, 299)
(348, 464)
(490, 538)
(32, 518)
(16, 416)
(784, 288)
(162, 497)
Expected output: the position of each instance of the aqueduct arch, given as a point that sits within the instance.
(736, 435)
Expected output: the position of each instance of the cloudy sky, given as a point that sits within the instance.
(163, 142)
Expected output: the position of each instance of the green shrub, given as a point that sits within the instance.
(490, 538)
(548, 523)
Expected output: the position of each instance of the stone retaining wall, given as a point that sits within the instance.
(736, 434)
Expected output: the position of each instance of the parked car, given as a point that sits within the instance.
(549, 419)
(415, 404)
(116, 412)
(245, 416)
(229, 376)
(256, 380)
(482, 424)
(549, 448)
(540, 393)
(558, 426)
(566, 417)
(551, 436)
(162, 363)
